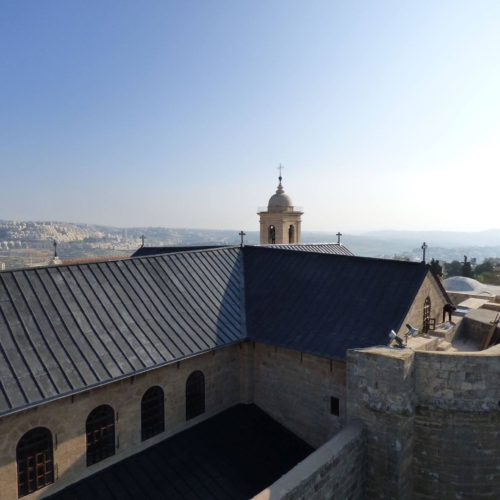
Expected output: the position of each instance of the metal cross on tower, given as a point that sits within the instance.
(55, 248)
(424, 248)
(241, 233)
(338, 235)
(280, 168)
(143, 238)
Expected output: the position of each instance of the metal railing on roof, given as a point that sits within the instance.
(289, 209)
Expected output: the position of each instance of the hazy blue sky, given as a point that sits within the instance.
(386, 114)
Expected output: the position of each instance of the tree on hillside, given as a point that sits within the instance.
(438, 269)
(454, 268)
(485, 267)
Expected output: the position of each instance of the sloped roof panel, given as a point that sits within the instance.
(329, 248)
(66, 328)
(326, 304)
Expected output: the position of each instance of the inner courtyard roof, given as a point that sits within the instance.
(232, 456)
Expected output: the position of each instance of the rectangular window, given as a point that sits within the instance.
(334, 406)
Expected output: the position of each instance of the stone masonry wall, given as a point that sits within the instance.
(66, 417)
(457, 426)
(381, 393)
(336, 470)
(295, 389)
(415, 316)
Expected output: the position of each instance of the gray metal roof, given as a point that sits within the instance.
(330, 248)
(146, 251)
(326, 304)
(66, 328)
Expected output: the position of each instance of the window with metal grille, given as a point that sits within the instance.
(100, 429)
(195, 395)
(335, 406)
(35, 461)
(152, 413)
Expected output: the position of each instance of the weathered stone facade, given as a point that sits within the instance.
(457, 425)
(381, 393)
(336, 470)
(295, 389)
(415, 316)
(66, 417)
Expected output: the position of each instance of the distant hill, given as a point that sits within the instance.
(490, 237)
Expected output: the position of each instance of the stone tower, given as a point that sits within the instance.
(281, 222)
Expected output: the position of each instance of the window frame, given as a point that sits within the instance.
(100, 438)
(195, 394)
(152, 412)
(33, 449)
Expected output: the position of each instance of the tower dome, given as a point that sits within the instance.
(281, 223)
(279, 201)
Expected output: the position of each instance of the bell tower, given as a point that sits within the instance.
(281, 222)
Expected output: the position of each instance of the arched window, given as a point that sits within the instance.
(152, 413)
(272, 234)
(100, 429)
(195, 395)
(427, 315)
(35, 461)
(291, 234)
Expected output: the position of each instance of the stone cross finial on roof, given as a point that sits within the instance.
(241, 233)
(424, 248)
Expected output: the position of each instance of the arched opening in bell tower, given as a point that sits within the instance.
(291, 234)
(272, 235)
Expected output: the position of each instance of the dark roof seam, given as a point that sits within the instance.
(182, 323)
(78, 327)
(207, 308)
(179, 267)
(19, 351)
(156, 304)
(169, 268)
(42, 336)
(140, 314)
(218, 285)
(113, 308)
(168, 320)
(233, 284)
(203, 299)
(99, 319)
(97, 336)
(63, 322)
(56, 335)
(139, 339)
(12, 371)
(223, 285)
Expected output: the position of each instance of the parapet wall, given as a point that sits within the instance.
(457, 426)
(336, 470)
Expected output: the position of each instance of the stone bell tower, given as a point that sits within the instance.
(281, 222)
